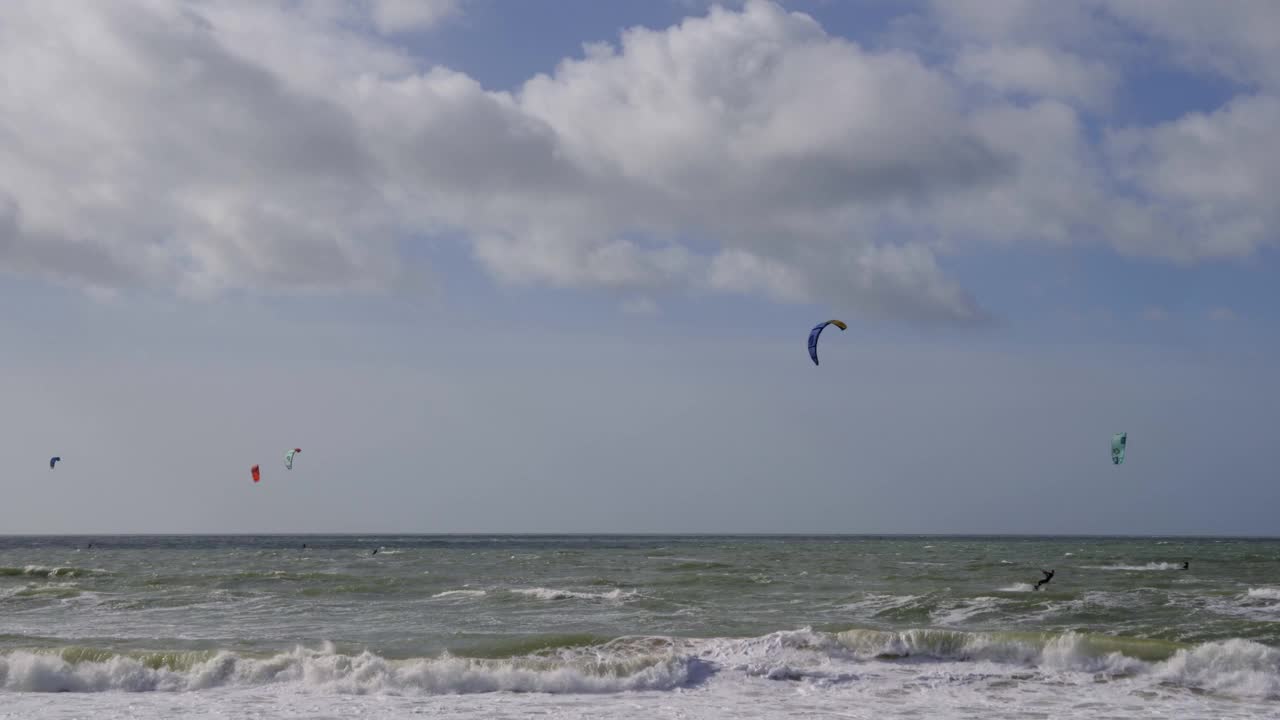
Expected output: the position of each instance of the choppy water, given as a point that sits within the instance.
(581, 626)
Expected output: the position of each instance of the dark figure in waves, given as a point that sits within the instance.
(1186, 565)
(1048, 575)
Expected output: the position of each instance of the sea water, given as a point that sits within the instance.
(639, 627)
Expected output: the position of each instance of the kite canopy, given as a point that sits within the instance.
(1118, 441)
(53, 461)
(255, 473)
(816, 331)
(288, 458)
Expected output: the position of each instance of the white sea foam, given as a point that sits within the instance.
(1261, 603)
(1264, 593)
(1018, 587)
(460, 593)
(542, 593)
(1239, 668)
(965, 610)
(1151, 566)
(334, 672)
(881, 674)
(874, 603)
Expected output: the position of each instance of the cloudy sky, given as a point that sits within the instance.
(507, 266)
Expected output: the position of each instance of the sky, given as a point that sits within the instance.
(504, 266)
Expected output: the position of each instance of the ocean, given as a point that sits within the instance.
(638, 627)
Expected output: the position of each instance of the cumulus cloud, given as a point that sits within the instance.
(176, 144)
(1037, 71)
(1038, 23)
(212, 145)
(1206, 181)
(1190, 188)
(393, 16)
(137, 148)
(1234, 39)
(1237, 39)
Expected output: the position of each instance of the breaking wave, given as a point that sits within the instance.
(1240, 668)
(45, 572)
(365, 673)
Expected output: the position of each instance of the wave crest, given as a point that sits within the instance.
(542, 593)
(45, 572)
(1234, 667)
(365, 673)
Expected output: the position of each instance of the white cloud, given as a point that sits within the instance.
(1155, 313)
(1222, 314)
(1237, 39)
(753, 130)
(395, 16)
(1195, 187)
(137, 148)
(1038, 71)
(209, 145)
(1042, 23)
(267, 159)
(641, 306)
(1206, 181)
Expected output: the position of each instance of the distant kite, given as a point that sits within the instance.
(1118, 442)
(816, 331)
(54, 461)
(288, 458)
(257, 475)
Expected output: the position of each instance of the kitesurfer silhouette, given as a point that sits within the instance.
(1048, 575)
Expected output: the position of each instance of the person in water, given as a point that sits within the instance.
(375, 551)
(1048, 575)
(1186, 565)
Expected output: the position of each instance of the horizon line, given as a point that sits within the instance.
(653, 534)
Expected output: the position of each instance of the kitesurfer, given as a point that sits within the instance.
(375, 552)
(1186, 565)
(1048, 575)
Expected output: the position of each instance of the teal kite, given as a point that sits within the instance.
(1118, 441)
(288, 458)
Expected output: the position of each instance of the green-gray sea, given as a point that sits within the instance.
(632, 626)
